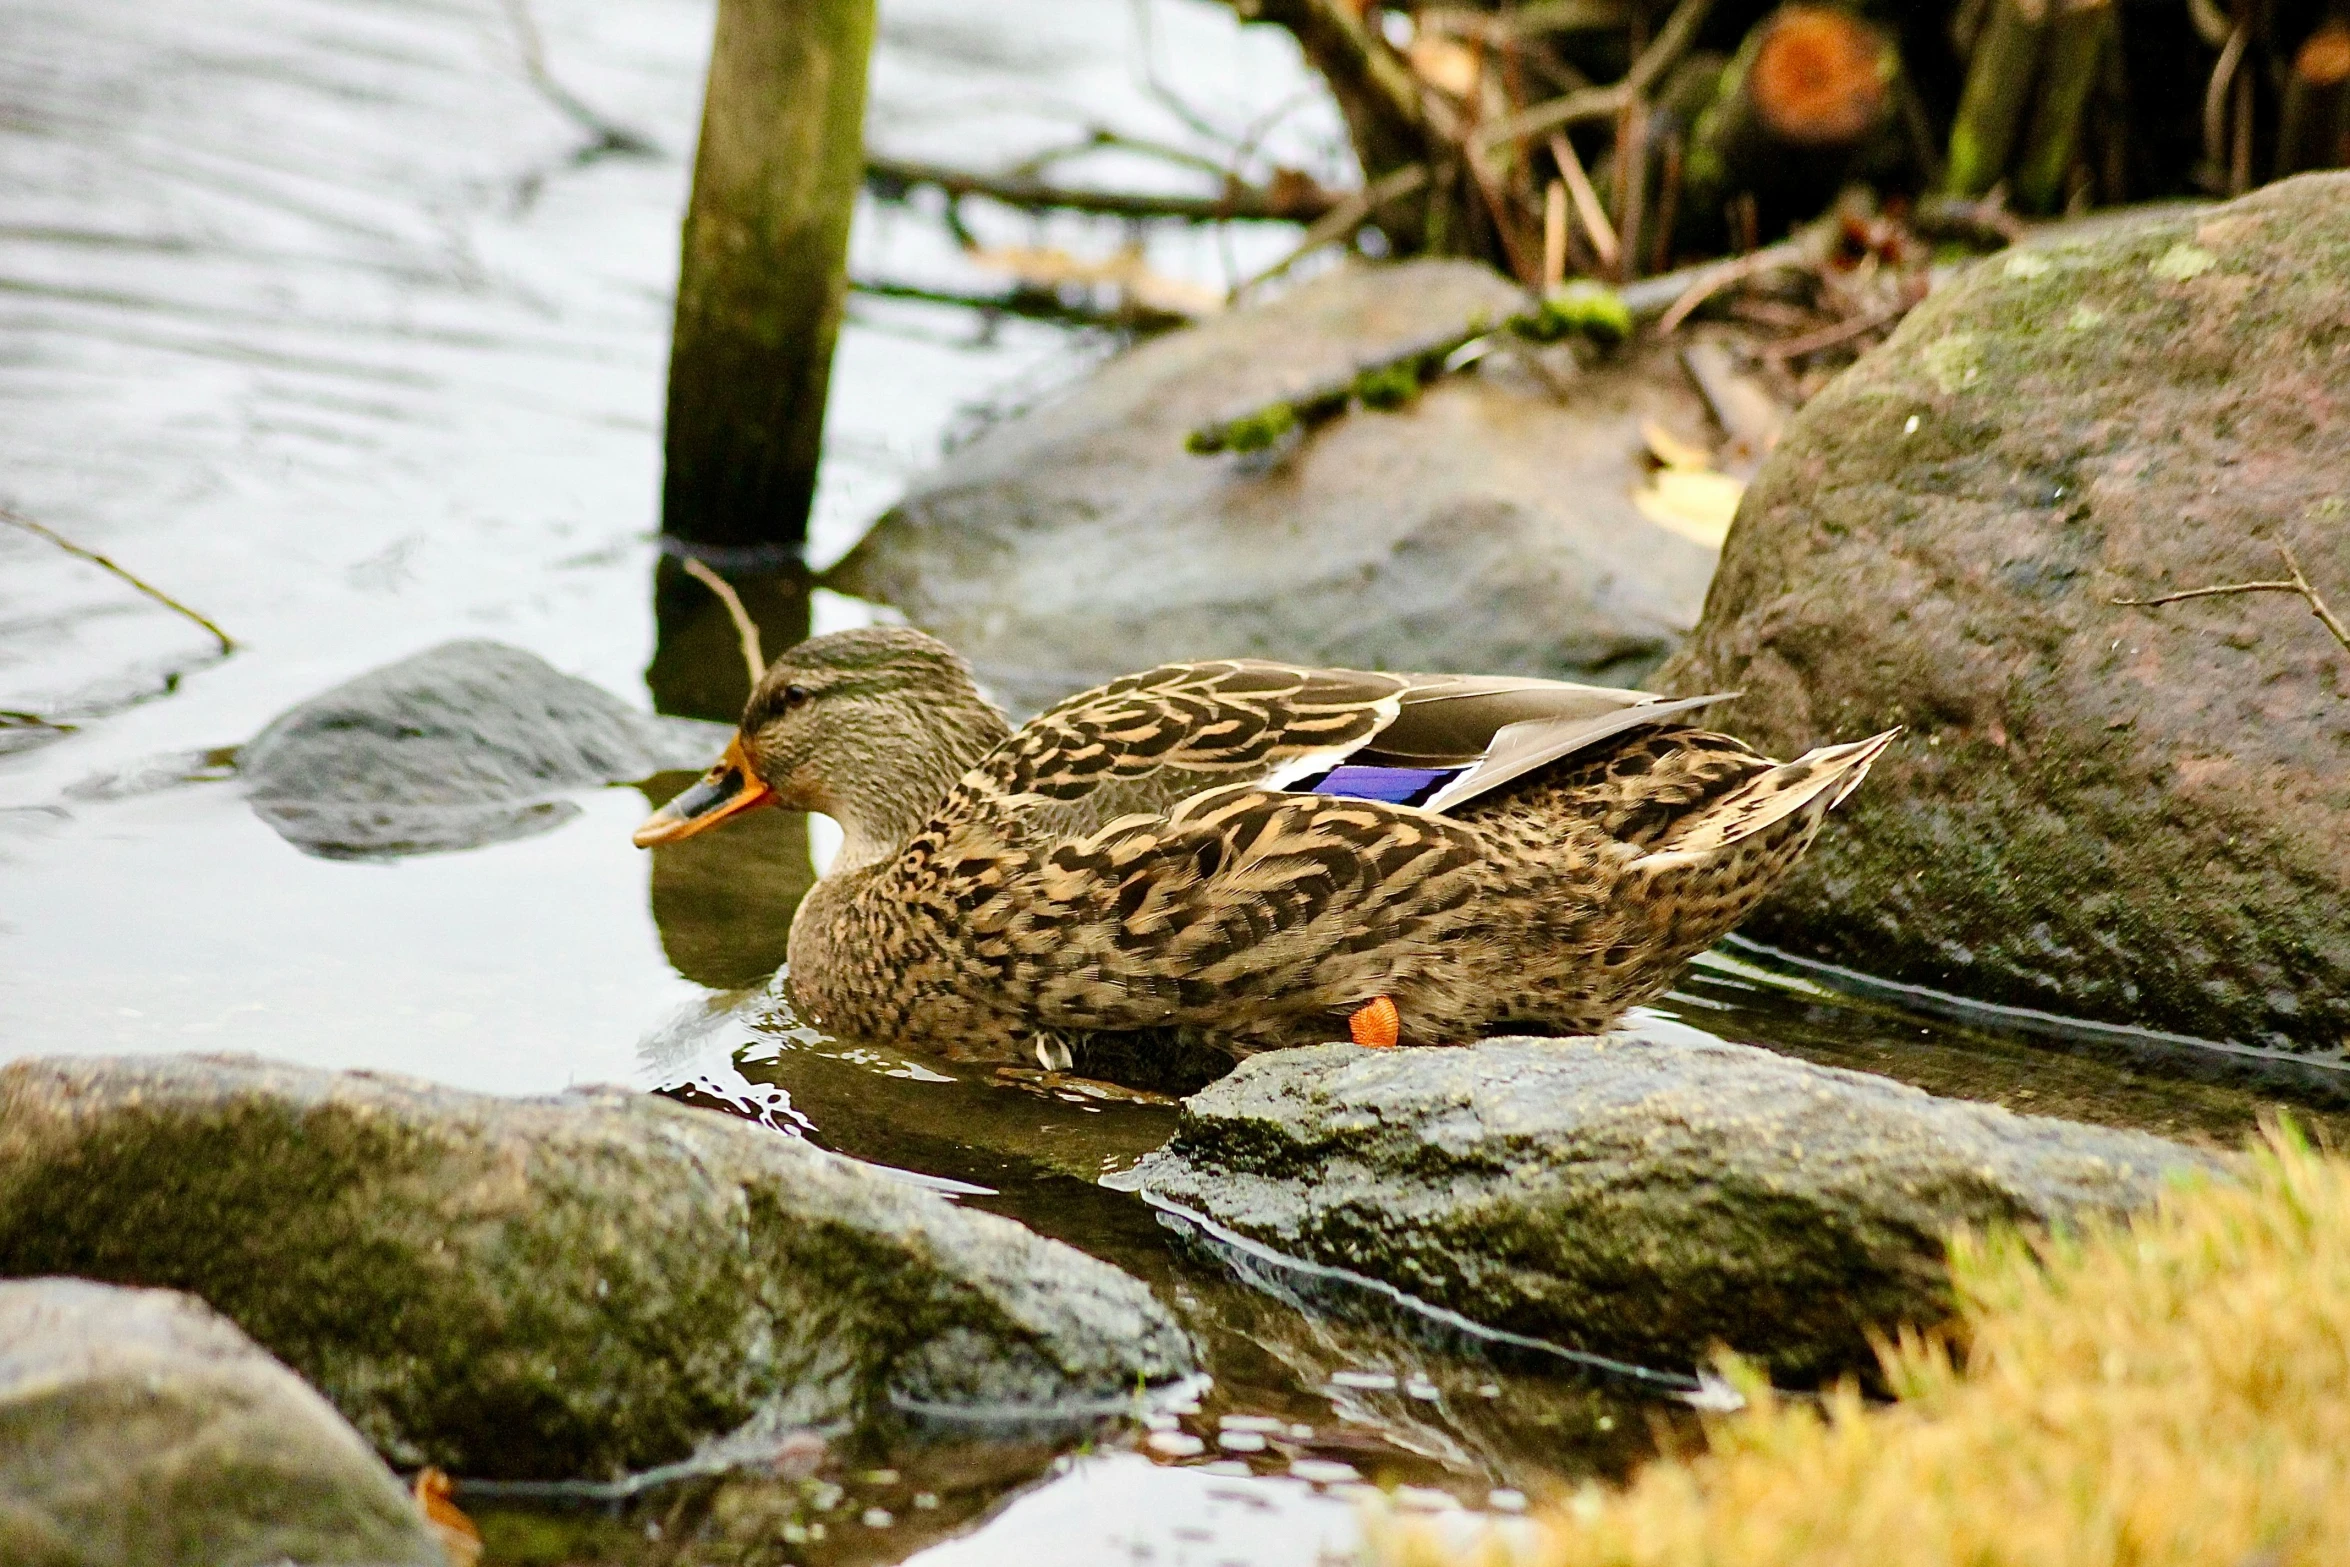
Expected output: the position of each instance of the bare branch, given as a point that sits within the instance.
(1587, 207)
(1340, 220)
(1787, 253)
(746, 630)
(2298, 584)
(227, 645)
(1291, 200)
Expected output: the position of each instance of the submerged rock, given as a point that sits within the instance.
(1645, 1194)
(2140, 816)
(465, 744)
(139, 1428)
(1487, 526)
(555, 1287)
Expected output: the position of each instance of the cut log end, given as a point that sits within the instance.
(2324, 58)
(1820, 77)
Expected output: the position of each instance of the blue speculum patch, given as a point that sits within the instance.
(1393, 785)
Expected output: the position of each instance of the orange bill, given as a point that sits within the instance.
(725, 790)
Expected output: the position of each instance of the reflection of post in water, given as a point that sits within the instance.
(697, 669)
(723, 902)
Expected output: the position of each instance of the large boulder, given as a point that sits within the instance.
(554, 1287)
(140, 1429)
(2135, 815)
(1645, 1194)
(465, 744)
(1488, 526)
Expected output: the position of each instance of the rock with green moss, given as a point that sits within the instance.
(1646, 1194)
(2135, 815)
(555, 1287)
(140, 1429)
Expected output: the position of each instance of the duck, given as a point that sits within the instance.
(1249, 854)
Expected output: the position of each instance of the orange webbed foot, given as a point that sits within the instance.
(1376, 1024)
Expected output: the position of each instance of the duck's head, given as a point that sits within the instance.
(868, 727)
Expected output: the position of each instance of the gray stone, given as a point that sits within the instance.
(464, 744)
(140, 1429)
(2137, 816)
(1645, 1194)
(1488, 526)
(554, 1287)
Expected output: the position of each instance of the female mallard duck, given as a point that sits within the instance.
(1252, 853)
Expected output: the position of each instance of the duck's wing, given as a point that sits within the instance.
(1144, 743)
(1469, 735)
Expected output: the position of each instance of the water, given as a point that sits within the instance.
(320, 315)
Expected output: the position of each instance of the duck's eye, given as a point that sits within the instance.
(793, 696)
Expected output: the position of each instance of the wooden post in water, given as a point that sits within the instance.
(760, 292)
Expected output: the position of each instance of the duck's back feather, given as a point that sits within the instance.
(1145, 743)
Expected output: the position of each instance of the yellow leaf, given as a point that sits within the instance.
(1695, 504)
(1670, 450)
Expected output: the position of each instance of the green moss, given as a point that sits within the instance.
(1583, 307)
(1254, 432)
(1388, 386)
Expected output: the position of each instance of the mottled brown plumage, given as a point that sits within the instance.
(1136, 859)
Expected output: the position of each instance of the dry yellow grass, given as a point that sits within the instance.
(2176, 1390)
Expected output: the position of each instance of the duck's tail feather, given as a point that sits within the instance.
(1771, 797)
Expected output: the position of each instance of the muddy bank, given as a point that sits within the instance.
(555, 1287)
(1646, 1194)
(2128, 814)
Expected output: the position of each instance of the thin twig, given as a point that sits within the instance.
(1602, 103)
(2215, 101)
(1029, 301)
(1592, 103)
(1672, 41)
(2297, 584)
(1587, 207)
(1296, 201)
(746, 630)
(227, 644)
(1787, 253)
(1341, 220)
(1102, 136)
(1838, 332)
(611, 136)
(1147, 61)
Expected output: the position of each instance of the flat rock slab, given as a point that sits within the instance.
(1646, 1194)
(139, 1428)
(2139, 816)
(1488, 526)
(572, 1286)
(465, 744)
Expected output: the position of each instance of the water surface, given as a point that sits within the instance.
(323, 316)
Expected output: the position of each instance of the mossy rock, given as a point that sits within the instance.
(2139, 816)
(140, 1429)
(554, 1287)
(1648, 1194)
